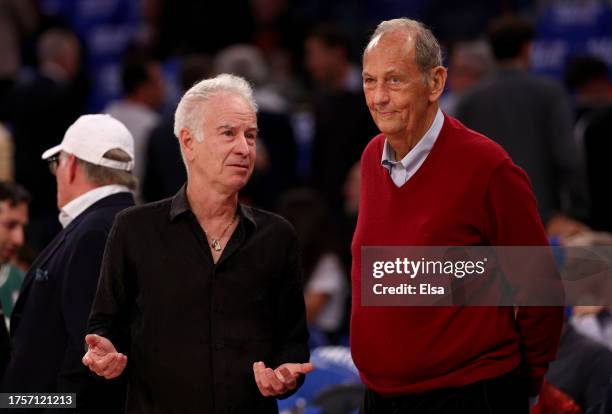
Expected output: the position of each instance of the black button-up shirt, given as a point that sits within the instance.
(192, 329)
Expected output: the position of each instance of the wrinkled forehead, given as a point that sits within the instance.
(228, 110)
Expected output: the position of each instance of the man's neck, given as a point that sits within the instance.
(79, 190)
(405, 142)
(211, 205)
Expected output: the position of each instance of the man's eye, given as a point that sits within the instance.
(394, 80)
(228, 133)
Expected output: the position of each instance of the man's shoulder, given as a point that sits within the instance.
(146, 212)
(103, 212)
(472, 142)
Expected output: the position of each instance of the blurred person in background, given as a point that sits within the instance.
(14, 201)
(580, 374)
(597, 147)
(531, 118)
(275, 167)
(325, 279)
(143, 88)
(342, 123)
(469, 62)
(164, 168)
(7, 153)
(13, 219)
(587, 78)
(41, 108)
(92, 167)
(18, 20)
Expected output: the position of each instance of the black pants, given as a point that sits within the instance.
(506, 394)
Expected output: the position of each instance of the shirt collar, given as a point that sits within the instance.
(420, 150)
(180, 205)
(77, 206)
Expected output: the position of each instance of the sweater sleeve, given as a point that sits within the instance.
(512, 220)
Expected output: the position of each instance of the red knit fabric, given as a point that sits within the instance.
(467, 192)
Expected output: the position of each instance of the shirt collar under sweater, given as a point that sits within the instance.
(402, 170)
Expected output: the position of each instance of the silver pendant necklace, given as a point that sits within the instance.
(215, 241)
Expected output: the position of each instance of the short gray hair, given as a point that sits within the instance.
(101, 175)
(189, 113)
(427, 52)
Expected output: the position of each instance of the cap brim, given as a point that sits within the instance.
(51, 152)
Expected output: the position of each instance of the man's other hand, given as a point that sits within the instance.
(280, 380)
(102, 358)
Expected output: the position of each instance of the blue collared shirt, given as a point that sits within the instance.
(401, 171)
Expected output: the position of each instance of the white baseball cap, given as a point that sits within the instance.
(92, 136)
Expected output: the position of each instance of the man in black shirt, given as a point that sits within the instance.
(199, 294)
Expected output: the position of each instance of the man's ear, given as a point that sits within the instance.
(71, 167)
(436, 82)
(187, 142)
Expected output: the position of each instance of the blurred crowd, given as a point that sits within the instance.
(133, 59)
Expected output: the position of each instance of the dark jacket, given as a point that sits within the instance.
(192, 329)
(49, 319)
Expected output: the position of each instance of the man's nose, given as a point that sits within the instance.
(380, 94)
(242, 146)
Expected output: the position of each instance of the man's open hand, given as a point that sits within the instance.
(280, 380)
(102, 357)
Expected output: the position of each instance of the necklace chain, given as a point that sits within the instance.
(215, 241)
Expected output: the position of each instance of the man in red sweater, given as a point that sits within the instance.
(429, 181)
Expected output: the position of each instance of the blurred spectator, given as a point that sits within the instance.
(275, 168)
(597, 148)
(325, 280)
(7, 153)
(40, 110)
(247, 61)
(13, 218)
(14, 201)
(92, 167)
(351, 191)
(107, 28)
(468, 64)
(582, 369)
(594, 322)
(531, 118)
(17, 20)
(143, 88)
(279, 34)
(343, 125)
(164, 168)
(587, 78)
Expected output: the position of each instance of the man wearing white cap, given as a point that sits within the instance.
(92, 167)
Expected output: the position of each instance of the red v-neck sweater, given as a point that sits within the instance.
(467, 192)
